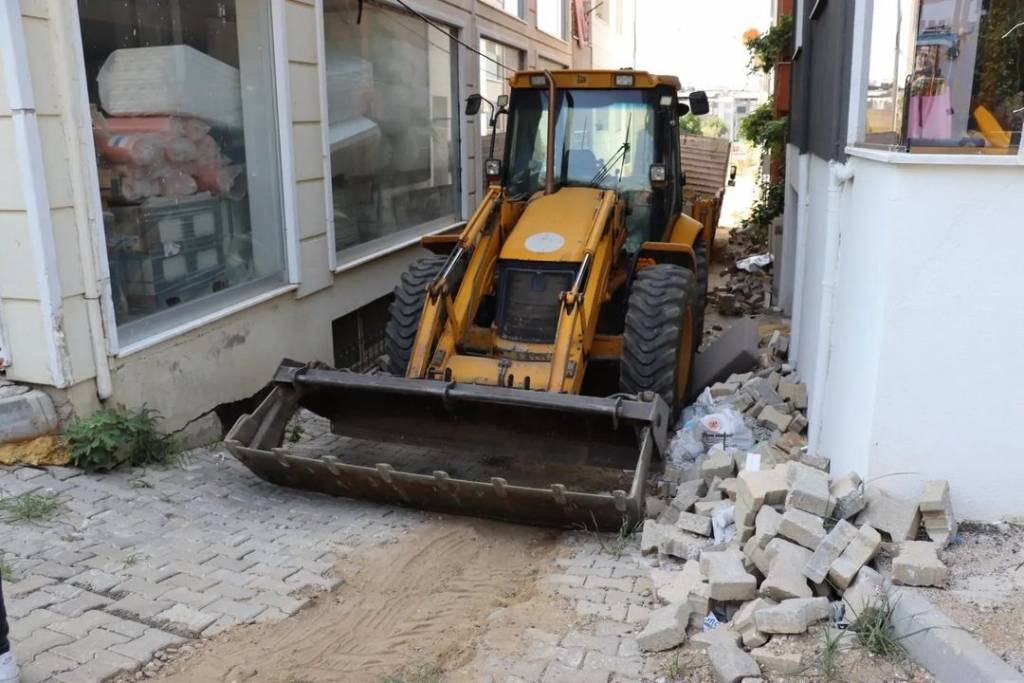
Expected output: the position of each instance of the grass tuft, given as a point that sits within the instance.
(615, 545)
(29, 507)
(6, 568)
(672, 669)
(424, 673)
(874, 630)
(831, 646)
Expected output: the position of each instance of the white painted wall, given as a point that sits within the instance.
(924, 364)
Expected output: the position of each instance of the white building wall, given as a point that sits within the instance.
(924, 366)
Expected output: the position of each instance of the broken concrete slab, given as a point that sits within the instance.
(665, 629)
(895, 515)
(783, 663)
(829, 550)
(756, 555)
(670, 540)
(723, 635)
(848, 492)
(802, 528)
(650, 537)
(735, 351)
(937, 512)
(862, 548)
(808, 489)
(761, 390)
(727, 579)
(695, 524)
(708, 507)
(918, 564)
(730, 664)
(785, 578)
(798, 425)
(792, 616)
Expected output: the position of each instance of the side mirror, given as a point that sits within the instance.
(699, 102)
(502, 101)
(732, 176)
(684, 109)
(473, 105)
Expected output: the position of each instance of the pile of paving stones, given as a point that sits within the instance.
(741, 292)
(747, 554)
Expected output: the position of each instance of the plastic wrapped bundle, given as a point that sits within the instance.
(139, 149)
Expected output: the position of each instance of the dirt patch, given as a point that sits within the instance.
(985, 589)
(421, 601)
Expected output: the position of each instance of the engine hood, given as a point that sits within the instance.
(554, 228)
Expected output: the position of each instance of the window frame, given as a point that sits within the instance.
(564, 16)
(520, 14)
(857, 114)
(340, 261)
(253, 293)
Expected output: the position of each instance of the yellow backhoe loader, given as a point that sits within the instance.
(537, 357)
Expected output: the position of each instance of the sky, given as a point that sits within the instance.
(699, 40)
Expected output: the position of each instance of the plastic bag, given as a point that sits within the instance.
(725, 428)
(755, 262)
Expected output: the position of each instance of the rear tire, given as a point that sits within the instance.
(406, 310)
(659, 340)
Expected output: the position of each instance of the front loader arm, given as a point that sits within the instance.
(446, 314)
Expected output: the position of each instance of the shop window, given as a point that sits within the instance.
(184, 120)
(391, 99)
(516, 8)
(551, 17)
(946, 76)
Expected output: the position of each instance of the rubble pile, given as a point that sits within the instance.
(747, 282)
(756, 539)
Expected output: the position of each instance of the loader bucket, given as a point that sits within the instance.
(510, 454)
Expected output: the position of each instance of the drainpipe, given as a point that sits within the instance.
(87, 225)
(839, 175)
(29, 160)
(803, 206)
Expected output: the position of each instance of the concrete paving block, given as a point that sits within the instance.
(829, 550)
(675, 586)
(848, 492)
(808, 489)
(793, 391)
(766, 525)
(727, 579)
(718, 464)
(682, 544)
(25, 415)
(708, 507)
(918, 564)
(897, 516)
(937, 512)
(867, 588)
(802, 528)
(693, 523)
(700, 599)
(783, 663)
(143, 648)
(774, 418)
(785, 578)
(792, 616)
(760, 389)
(723, 635)
(688, 493)
(760, 487)
(755, 554)
(650, 537)
(858, 553)
(665, 629)
(745, 623)
(730, 664)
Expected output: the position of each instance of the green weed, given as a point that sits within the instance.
(109, 438)
(424, 673)
(28, 507)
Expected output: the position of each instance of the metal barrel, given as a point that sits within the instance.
(511, 454)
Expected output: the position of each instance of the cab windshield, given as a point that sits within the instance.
(603, 138)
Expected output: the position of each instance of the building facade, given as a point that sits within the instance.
(904, 197)
(193, 191)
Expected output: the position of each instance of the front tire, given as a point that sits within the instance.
(407, 308)
(659, 340)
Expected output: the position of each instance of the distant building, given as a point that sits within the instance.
(732, 106)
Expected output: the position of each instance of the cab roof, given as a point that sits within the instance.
(575, 78)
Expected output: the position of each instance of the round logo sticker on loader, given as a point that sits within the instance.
(544, 242)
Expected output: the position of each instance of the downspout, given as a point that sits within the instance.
(803, 207)
(87, 224)
(839, 175)
(29, 161)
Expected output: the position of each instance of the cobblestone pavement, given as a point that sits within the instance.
(140, 560)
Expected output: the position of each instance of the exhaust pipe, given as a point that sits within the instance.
(549, 186)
